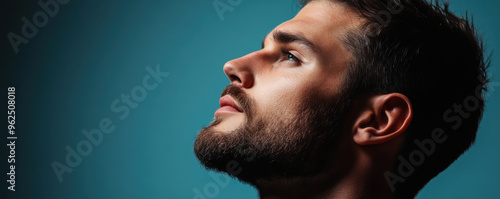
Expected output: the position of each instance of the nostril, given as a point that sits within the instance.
(234, 78)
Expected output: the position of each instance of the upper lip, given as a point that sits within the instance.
(227, 100)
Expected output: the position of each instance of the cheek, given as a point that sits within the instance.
(280, 98)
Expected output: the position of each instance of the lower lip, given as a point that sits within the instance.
(225, 109)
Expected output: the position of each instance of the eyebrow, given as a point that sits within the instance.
(284, 37)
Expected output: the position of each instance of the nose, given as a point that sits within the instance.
(241, 71)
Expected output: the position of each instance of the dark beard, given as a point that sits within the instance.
(277, 148)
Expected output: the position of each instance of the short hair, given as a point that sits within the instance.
(424, 51)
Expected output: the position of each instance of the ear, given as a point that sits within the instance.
(384, 118)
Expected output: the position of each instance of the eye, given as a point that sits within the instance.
(288, 56)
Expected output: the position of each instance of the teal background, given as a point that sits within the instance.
(91, 52)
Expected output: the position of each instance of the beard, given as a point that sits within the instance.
(274, 147)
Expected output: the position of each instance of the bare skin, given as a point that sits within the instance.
(278, 77)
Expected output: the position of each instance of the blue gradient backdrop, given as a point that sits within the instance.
(92, 52)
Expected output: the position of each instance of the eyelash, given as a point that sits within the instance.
(286, 52)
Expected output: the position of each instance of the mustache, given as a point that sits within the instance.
(245, 101)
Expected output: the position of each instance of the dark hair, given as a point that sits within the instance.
(424, 51)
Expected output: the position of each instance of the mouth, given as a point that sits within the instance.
(228, 105)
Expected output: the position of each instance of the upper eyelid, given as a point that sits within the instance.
(286, 52)
(299, 57)
(285, 44)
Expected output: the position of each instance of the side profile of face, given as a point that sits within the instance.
(282, 114)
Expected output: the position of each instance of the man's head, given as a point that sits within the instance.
(290, 99)
(352, 86)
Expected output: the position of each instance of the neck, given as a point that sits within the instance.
(323, 188)
(359, 180)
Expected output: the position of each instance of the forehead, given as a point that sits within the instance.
(323, 15)
(323, 23)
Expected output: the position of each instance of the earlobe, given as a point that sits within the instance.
(384, 118)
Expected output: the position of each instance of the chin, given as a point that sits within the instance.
(227, 123)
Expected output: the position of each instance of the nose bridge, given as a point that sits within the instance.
(243, 63)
